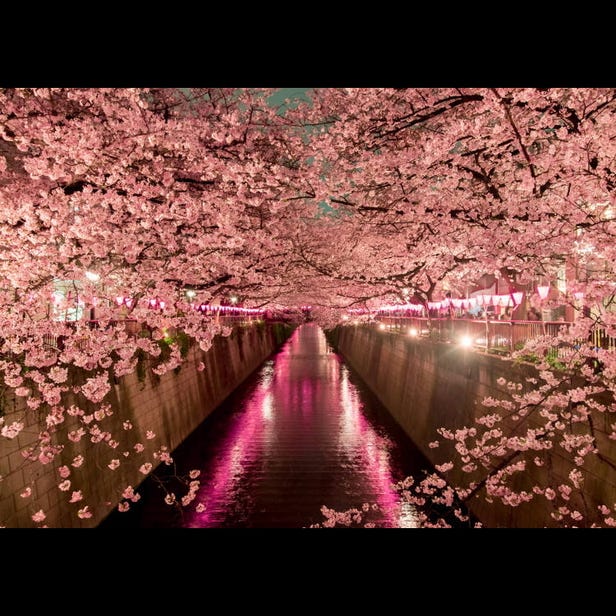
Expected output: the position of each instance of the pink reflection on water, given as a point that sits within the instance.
(301, 441)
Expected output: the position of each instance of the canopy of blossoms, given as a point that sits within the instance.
(155, 206)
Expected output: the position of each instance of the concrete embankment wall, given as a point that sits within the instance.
(170, 406)
(427, 385)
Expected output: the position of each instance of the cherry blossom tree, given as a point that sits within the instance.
(457, 183)
(117, 202)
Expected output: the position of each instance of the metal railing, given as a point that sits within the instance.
(494, 336)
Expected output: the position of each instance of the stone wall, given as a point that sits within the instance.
(170, 406)
(426, 385)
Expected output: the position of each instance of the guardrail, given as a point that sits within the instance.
(494, 336)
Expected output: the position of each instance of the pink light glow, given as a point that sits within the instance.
(302, 416)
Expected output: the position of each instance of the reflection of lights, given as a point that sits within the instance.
(345, 317)
(381, 325)
(413, 332)
(267, 406)
(407, 515)
(93, 276)
(466, 341)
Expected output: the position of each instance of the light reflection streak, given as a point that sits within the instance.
(301, 440)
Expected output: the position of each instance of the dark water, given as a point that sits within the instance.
(300, 433)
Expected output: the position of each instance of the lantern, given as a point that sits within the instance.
(543, 291)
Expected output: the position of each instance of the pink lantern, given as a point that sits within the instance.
(517, 297)
(543, 291)
(152, 303)
(119, 300)
(161, 304)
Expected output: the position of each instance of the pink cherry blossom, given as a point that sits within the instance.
(76, 496)
(26, 493)
(64, 471)
(65, 485)
(145, 468)
(114, 464)
(84, 512)
(13, 430)
(170, 498)
(39, 516)
(77, 461)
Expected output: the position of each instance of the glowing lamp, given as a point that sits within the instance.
(579, 295)
(161, 304)
(466, 342)
(152, 303)
(190, 294)
(543, 291)
(381, 325)
(413, 332)
(93, 276)
(119, 300)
